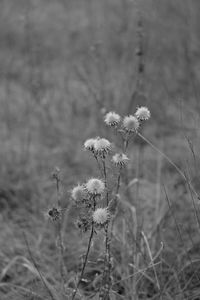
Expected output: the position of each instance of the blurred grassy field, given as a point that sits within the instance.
(62, 64)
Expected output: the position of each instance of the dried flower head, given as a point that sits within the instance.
(120, 159)
(83, 223)
(131, 123)
(54, 214)
(89, 144)
(142, 113)
(101, 216)
(79, 193)
(102, 146)
(95, 186)
(56, 174)
(112, 119)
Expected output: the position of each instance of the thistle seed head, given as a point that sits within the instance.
(89, 144)
(142, 113)
(100, 216)
(79, 193)
(102, 146)
(112, 119)
(131, 123)
(95, 186)
(120, 159)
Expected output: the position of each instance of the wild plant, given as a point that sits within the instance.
(97, 199)
(56, 215)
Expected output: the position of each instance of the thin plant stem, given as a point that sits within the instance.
(61, 255)
(57, 179)
(105, 285)
(118, 181)
(87, 253)
(106, 271)
(98, 163)
(105, 179)
(59, 233)
(85, 261)
(194, 206)
(125, 146)
(172, 163)
(126, 141)
(107, 266)
(151, 258)
(27, 292)
(136, 273)
(52, 296)
(107, 262)
(179, 230)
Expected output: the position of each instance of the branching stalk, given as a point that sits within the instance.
(85, 261)
(87, 253)
(106, 272)
(59, 232)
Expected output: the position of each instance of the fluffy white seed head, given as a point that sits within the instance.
(95, 186)
(131, 123)
(79, 193)
(120, 159)
(142, 113)
(89, 144)
(100, 216)
(102, 146)
(112, 119)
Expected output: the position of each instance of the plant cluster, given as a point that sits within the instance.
(96, 202)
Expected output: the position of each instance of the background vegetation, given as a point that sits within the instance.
(63, 64)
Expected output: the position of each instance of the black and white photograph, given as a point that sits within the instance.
(99, 149)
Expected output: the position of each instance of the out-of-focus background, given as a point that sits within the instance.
(63, 64)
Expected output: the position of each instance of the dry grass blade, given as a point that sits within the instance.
(173, 164)
(151, 258)
(159, 252)
(8, 266)
(23, 289)
(34, 268)
(132, 182)
(142, 271)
